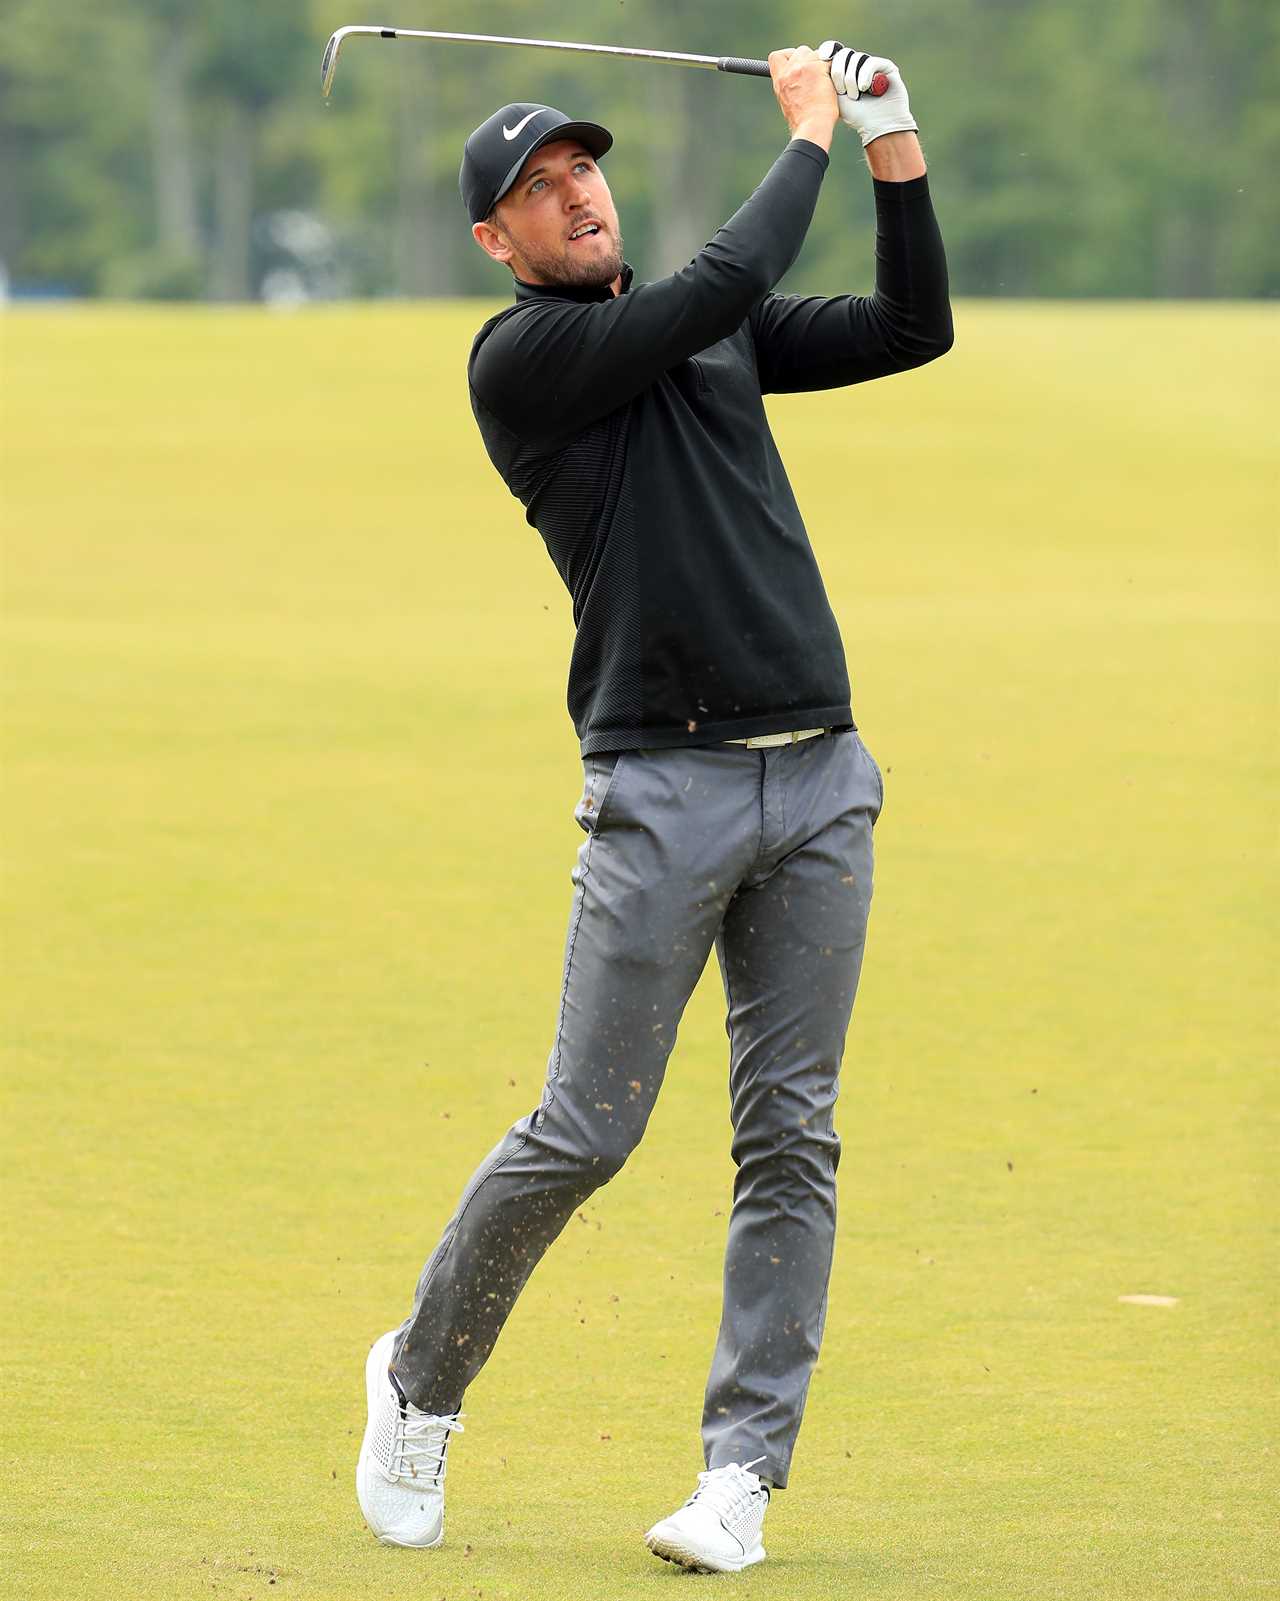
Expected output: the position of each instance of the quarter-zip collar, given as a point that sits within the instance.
(526, 291)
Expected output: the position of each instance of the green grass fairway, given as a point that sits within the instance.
(287, 807)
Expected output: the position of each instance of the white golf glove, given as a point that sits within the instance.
(871, 115)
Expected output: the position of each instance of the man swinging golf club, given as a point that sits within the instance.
(728, 800)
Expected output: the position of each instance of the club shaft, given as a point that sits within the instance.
(751, 68)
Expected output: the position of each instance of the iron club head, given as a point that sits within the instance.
(329, 61)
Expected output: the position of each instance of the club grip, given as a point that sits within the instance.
(743, 64)
(760, 69)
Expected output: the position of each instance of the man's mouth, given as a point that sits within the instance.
(586, 230)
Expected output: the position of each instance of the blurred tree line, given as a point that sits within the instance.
(176, 148)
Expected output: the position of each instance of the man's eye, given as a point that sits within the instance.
(536, 185)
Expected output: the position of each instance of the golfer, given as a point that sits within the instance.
(728, 801)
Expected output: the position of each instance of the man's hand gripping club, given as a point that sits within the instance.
(817, 88)
(806, 94)
(870, 115)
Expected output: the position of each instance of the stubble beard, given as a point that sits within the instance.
(562, 270)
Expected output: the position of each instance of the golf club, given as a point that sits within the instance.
(740, 64)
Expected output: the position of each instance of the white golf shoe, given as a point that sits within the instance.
(718, 1528)
(400, 1474)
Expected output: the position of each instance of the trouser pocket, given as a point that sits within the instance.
(875, 769)
(599, 778)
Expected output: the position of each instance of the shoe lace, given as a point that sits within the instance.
(420, 1442)
(727, 1489)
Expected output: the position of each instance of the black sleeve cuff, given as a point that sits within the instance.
(806, 147)
(912, 189)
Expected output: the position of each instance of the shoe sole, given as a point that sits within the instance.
(684, 1557)
(373, 1370)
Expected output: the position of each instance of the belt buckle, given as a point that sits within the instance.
(772, 741)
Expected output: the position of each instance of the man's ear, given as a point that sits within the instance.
(492, 242)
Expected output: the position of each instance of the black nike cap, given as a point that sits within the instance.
(500, 146)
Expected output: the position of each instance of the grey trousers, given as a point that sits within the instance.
(765, 854)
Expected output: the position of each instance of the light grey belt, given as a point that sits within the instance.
(794, 738)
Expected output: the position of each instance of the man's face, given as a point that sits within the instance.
(556, 224)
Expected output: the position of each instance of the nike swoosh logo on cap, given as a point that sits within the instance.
(511, 133)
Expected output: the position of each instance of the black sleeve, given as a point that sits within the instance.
(810, 342)
(552, 366)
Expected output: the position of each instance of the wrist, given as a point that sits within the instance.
(817, 130)
(896, 157)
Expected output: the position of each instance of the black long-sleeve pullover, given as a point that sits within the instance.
(633, 430)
